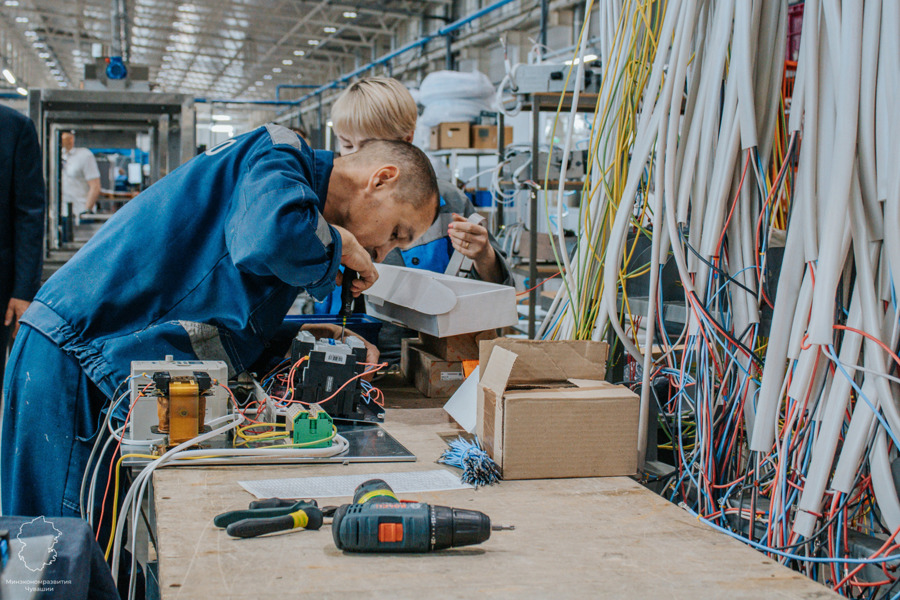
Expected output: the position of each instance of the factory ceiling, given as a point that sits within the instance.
(213, 48)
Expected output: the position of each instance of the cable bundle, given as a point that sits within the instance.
(478, 468)
(778, 394)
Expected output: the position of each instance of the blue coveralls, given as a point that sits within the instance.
(204, 265)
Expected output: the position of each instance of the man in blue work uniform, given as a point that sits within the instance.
(204, 265)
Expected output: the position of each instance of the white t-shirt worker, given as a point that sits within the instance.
(80, 177)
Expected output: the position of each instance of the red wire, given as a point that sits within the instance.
(873, 338)
(539, 284)
(363, 374)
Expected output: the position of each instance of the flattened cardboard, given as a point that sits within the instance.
(490, 389)
(543, 361)
(463, 404)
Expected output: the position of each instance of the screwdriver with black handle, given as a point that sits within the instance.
(346, 297)
(377, 521)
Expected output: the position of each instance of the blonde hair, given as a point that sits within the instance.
(375, 108)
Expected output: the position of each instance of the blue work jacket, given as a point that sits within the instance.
(204, 264)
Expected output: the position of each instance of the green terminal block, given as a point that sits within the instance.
(313, 429)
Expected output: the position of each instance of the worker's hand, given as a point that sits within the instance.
(355, 257)
(14, 312)
(333, 331)
(472, 241)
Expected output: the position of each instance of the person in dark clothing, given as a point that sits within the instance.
(21, 221)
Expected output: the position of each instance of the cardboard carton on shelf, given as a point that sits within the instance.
(544, 410)
(433, 376)
(450, 135)
(484, 137)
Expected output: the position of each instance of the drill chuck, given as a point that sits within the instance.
(453, 527)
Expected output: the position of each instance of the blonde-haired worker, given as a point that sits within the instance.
(382, 108)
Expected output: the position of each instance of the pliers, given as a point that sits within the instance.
(271, 515)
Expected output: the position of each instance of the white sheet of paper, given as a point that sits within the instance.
(463, 404)
(344, 485)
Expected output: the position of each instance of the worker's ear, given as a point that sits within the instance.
(385, 176)
(409, 138)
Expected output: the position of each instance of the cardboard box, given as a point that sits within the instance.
(456, 347)
(485, 136)
(545, 412)
(450, 135)
(433, 376)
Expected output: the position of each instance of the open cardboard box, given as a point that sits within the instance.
(437, 304)
(544, 411)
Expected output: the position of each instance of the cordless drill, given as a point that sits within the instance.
(378, 522)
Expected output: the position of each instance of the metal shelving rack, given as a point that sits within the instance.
(538, 103)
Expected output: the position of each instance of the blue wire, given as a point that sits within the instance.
(815, 559)
(830, 353)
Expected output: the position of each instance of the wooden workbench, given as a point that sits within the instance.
(574, 538)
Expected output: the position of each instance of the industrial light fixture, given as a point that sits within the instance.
(11, 3)
(22, 91)
(21, 19)
(44, 54)
(258, 83)
(229, 129)
(276, 69)
(287, 61)
(267, 76)
(329, 29)
(313, 42)
(587, 58)
(349, 14)
(221, 117)
(9, 76)
(299, 52)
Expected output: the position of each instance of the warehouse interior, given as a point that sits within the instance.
(498, 298)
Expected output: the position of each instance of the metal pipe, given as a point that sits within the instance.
(545, 16)
(448, 11)
(262, 102)
(278, 88)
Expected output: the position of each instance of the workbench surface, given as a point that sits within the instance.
(583, 538)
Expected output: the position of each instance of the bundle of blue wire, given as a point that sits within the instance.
(477, 467)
